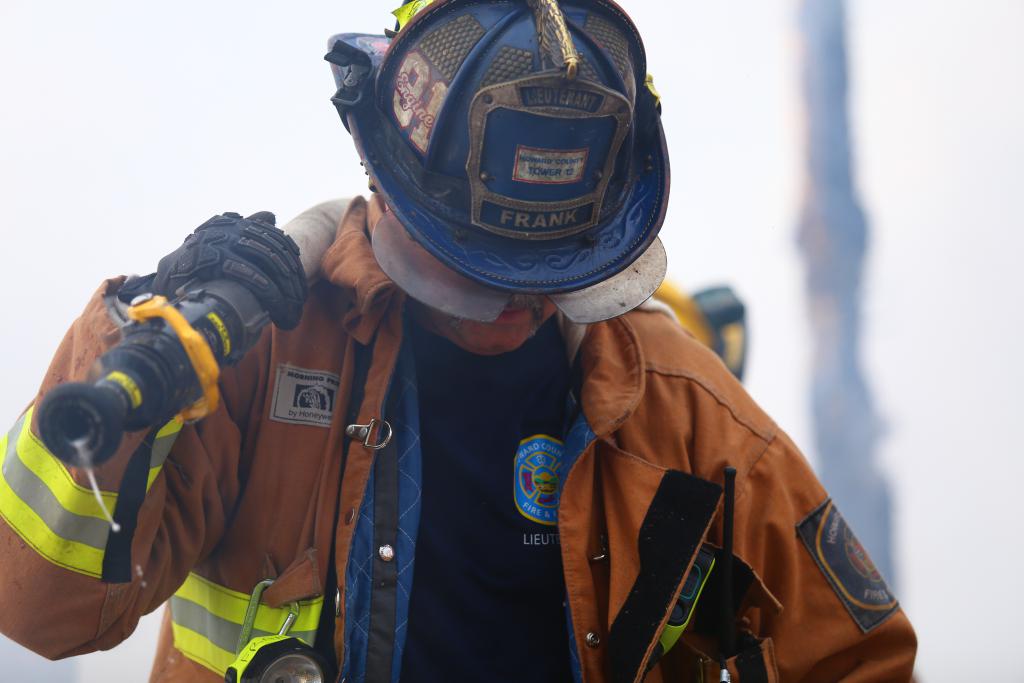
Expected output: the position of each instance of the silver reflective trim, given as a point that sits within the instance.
(427, 280)
(618, 294)
(221, 632)
(34, 492)
(161, 449)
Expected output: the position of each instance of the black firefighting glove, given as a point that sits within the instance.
(250, 251)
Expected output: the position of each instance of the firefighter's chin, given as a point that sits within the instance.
(517, 323)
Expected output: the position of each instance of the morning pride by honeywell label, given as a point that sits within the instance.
(304, 397)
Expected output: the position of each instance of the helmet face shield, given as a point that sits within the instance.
(517, 145)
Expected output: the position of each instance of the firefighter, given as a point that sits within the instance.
(469, 450)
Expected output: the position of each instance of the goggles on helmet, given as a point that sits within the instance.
(517, 144)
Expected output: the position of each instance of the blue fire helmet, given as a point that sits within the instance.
(518, 144)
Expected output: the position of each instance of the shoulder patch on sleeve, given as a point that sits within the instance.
(847, 566)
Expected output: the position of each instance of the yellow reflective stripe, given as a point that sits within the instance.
(162, 444)
(74, 498)
(649, 82)
(200, 650)
(35, 527)
(407, 11)
(51, 512)
(170, 429)
(80, 499)
(207, 620)
(230, 605)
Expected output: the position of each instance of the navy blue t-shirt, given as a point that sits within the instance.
(488, 595)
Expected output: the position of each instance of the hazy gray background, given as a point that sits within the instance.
(123, 125)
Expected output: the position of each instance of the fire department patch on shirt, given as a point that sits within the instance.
(847, 566)
(538, 465)
(304, 397)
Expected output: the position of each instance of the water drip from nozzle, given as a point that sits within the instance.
(84, 459)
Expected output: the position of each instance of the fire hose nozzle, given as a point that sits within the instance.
(82, 424)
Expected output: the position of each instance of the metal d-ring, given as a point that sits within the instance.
(363, 433)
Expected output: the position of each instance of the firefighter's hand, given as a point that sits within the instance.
(250, 251)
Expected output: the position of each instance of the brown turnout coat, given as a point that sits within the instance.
(242, 498)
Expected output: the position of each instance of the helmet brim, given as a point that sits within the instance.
(427, 280)
(523, 266)
(618, 294)
(424, 278)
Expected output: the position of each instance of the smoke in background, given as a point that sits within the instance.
(126, 125)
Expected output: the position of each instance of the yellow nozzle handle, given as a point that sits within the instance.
(196, 348)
